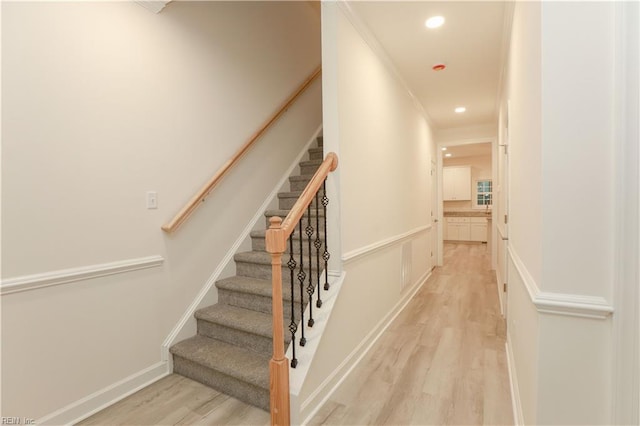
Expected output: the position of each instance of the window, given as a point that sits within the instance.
(483, 194)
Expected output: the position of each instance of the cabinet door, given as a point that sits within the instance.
(464, 232)
(463, 183)
(479, 232)
(456, 183)
(448, 183)
(454, 232)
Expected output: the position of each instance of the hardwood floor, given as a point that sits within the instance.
(176, 400)
(441, 362)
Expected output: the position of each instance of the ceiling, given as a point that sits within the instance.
(472, 150)
(470, 43)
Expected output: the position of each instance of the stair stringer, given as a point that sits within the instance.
(208, 295)
(313, 335)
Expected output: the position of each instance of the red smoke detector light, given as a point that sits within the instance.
(439, 67)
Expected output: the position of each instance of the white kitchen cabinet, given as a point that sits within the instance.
(479, 229)
(458, 229)
(456, 183)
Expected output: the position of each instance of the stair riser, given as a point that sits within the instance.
(288, 202)
(255, 302)
(308, 169)
(263, 272)
(258, 244)
(304, 217)
(315, 154)
(299, 185)
(243, 391)
(254, 342)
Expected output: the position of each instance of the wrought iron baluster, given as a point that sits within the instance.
(318, 244)
(325, 255)
(301, 277)
(310, 286)
(293, 327)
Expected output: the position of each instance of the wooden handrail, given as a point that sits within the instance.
(329, 164)
(276, 243)
(204, 192)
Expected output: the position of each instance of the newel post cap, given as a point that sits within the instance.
(274, 238)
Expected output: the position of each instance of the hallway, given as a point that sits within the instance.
(442, 361)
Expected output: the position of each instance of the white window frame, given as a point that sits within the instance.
(475, 204)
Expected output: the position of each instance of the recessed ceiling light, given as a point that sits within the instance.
(444, 148)
(434, 22)
(448, 154)
(460, 110)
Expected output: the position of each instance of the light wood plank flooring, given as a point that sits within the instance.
(441, 362)
(176, 400)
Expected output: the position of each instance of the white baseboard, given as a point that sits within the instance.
(322, 394)
(103, 398)
(176, 333)
(516, 404)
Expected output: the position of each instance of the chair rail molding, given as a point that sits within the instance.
(574, 305)
(379, 245)
(66, 276)
(153, 5)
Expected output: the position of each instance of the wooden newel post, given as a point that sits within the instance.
(279, 364)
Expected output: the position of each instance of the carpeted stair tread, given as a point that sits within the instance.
(255, 286)
(257, 257)
(310, 163)
(313, 152)
(246, 285)
(228, 359)
(261, 233)
(284, 212)
(291, 194)
(237, 318)
(300, 177)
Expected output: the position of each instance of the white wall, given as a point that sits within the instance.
(385, 147)
(561, 144)
(103, 101)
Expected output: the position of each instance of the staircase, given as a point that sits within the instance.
(232, 349)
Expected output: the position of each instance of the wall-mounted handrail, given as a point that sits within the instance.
(276, 244)
(204, 192)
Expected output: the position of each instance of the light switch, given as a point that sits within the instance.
(152, 200)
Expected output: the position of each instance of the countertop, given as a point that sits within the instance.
(467, 213)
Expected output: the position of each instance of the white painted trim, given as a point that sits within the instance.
(516, 403)
(574, 305)
(333, 381)
(83, 273)
(91, 404)
(372, 41)
(153, 5)
(305, 354)
(625, 395)
(188, 314)
(313, 334)
(379, 245)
